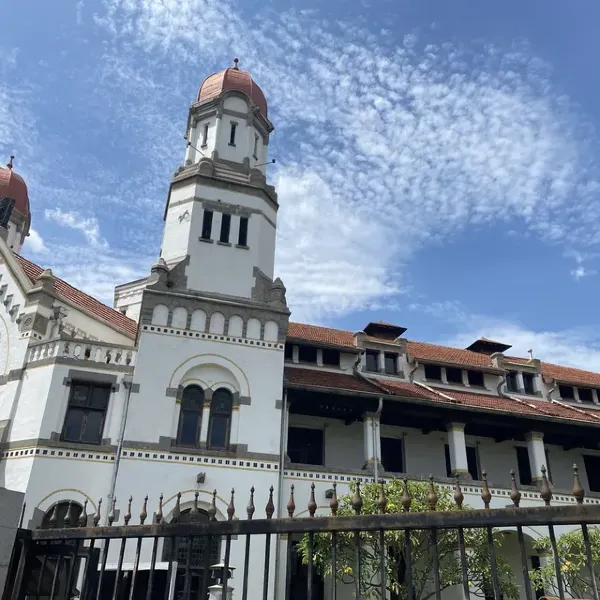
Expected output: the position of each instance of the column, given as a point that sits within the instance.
(372, 440)
(465, 377)
(458, 450)
(381, 362)
(189, 150)
(520, 382)
(205, 418)
(319, 357)
(295, 354)
(234, 426)
(595, 395)
(444, 375)
(537, 454)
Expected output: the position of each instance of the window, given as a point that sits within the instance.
(391, 363)
(566, 392)
(289, 351)
(523, 465)
(511, 381)
(454, 375)
(331, 357)
(190, 416)
(55, 517)
(433, 372)
(592, 469)
(232, 134)
(255, 151)
(307, 354)
(207, 224)
(472, 462)
(305, 446)
(372, 358)
(475, 378)
(529, 383)
(392, 454)
(585, 395)
(84, 421)
(243, 233)
(205, 135)
(220, 419)
(225, 227)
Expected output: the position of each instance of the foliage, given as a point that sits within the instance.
(574, 566)
(476, 542)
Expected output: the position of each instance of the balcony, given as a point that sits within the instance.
(107, 354)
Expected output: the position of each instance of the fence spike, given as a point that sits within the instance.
(459, 497)
(291, 505)
(177, 509)
(250, 509)
(406, 498)
(486, 495)
(312, 504)
(333, 503)
(195, 510)
(68, 520)
(83, 517)
(231, 507)
(127, 516)
(144, 513)
(111, 514)
(357, 502)
(432, 498)
(96, 518)
(53, 519)
(382, 498)
(578, 490)
(212, 511)
(515, 494)
(545, 492)
(270, 508)
(159, 512)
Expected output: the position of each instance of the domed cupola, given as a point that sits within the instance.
(15, 215)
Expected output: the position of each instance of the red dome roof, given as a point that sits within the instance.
(13, 186)
(233, 79)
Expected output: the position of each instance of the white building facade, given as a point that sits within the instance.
(196, 381)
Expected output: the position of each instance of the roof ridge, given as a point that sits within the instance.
(576, 409)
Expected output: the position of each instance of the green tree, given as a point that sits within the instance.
(574, 565)
(450, 573)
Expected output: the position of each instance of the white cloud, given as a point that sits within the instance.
(89, 226)
(580, 271)
(35, 243)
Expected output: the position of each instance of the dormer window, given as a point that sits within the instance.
(566, 392)
(586, 395)
(454, 375)
(232, 134)
(307, 354)
(331, 358)
(512, 384)
(529, 383)
(289, 351)
(391, 363)
(475, 378)
(433, 372)
(372, 358)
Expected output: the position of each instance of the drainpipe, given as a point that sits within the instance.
(377, 415)
(415, 363)
(127, 382)
(282, 450)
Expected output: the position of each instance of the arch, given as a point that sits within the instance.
(253, 328)
(66, 494)
(160, 315)
(190, 416)
(236, 326)
(198, 320)
(219, 426)
(179, 318)
(54, 518)
(217, 323)
(271, 331)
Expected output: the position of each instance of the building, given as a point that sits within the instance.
(197, 380)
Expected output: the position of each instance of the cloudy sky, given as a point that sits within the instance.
(438, 163)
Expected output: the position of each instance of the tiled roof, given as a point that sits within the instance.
(327, 379)
(322, 335)
(82, 300)
(445, 354)
(406, 389)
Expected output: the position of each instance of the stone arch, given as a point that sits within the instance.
(198, 320)
(179, 318)
(217, 323)
(160, 315)
(271, 331)
(236, 326)
(253, 328)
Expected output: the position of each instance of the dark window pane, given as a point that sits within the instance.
(433, 372)
(453, 375)
(305, 446)
(391, 363)
(225, 227)
(79, 395)
(207, 224)
(243, 233)
(331, 357)
(222, 402)
(475, 378)
(289, 351)
(448, 461)
(232, 134)
(189, 429)
(92, 432)
(219, 432)
(592, 469)
(585, 395)
(511, 382)
(528, 383)
(74, 424)
(566, 391)
(255, 147)
(100, 397)
(372, 359)
(307, 354)
(523, 465)
(193, 399)
(473, 463)
(392, 454)
(205, 135)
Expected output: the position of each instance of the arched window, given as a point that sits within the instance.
(55, 517)
(190, 417)
(220, 419)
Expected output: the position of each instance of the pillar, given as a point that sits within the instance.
(520, 382)
(372, 440)
(537, 454)
(443, 375)
(381, 362)
(205, 418)
(458, 450)
(234, 426)
(319, 357)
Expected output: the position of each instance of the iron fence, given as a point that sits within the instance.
(70, 559)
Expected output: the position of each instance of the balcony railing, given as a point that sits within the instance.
(109, 354)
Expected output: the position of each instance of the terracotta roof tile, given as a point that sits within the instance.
(406, 389)
(323, 335)
(445, 354)
(327, 379)
(81, 299)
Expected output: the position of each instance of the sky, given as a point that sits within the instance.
(438, 163)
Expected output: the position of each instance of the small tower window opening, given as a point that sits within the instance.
(190, 417)
(511, 382)
(529, 383)
(585, 395)
(225, 228)
(232, 134)
(454, 375)
(243, 233)
(207, 224)
(205, 135)
(220, 419)
(255, 151)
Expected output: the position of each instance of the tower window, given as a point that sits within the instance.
(207, 224)
(243, 233)
(232, 134)
(205, 135)
(511, 381)
(255, 152)
(528, 383)
(86, 412)
(190, 416)
(220, 419)
(225, 227)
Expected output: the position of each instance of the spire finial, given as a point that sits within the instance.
(9, 164)
(235, 64)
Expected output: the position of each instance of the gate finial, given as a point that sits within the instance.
(406, 499)
(486, 495)
(515, 494)
(270, 508)
(291, 505)
(459, 497)
(333, 503)
(545, 492)
(144, 513)
(312, 503)
(578, 490)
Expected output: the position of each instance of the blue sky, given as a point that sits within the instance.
(438, 163)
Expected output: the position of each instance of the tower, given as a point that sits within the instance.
(15, 216)
(221, 215)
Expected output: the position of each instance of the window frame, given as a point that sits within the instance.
(232, 133)
(393, 356)
(330, 353)
(454, 370)
(512, 377)
(205, 135)
(448, 461)
(255, 152)
(427, 366)
(225, 229)
(307, 348)
(183, 411)
(562, 387)
(531, 378)
(243, 232)
(227, 414)
(402, 446)
(321, 449)
(373, 355)
(524, 456)
(477, 374)
(207, 224)
(589, 400)
(86, 409)
(588, 459)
